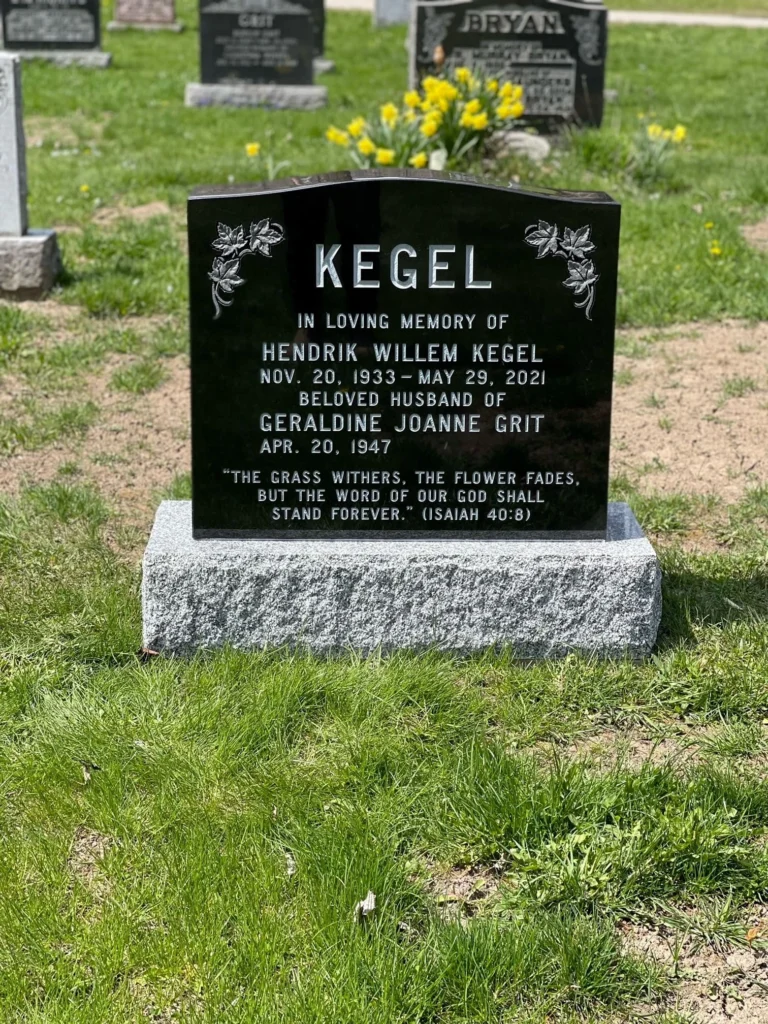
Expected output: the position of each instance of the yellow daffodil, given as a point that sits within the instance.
(511, 93)
(252, 148)
(463, 75)
(418, 160)
(473, 107)
(510, 110)
(709, 225)
(430, 83)
(465, 121)
(412, 99)
(429, 128)
(427, 105)
(480, 121)
(655, 131)
(366, 146)
(337, 137)
(679, 133)
(389, 114)
(715, 250)
(409, 116)
(385, 157)
(356, 127)
(492, 85)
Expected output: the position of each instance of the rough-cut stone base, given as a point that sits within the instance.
(322, 65)
(544, 598)
(276, 97)
(146, 26)
(29, 264)
(70, 58)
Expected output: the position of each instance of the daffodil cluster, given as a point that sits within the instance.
(444, 123)
(652, 150)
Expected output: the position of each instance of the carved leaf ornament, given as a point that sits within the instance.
(234, 245)
(574, 247)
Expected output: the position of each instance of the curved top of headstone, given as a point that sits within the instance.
(396, 174)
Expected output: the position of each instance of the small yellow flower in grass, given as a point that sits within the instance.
(492, 85)
(385, 157)
(85, 189)
(356, 127)
(679, 133)
(337, 137)
(655, 131)
(463, 75)
(412, 99)
(715, 250)
(418, 160)
(473, 107)
(709, 225)
(252, 148)
(389, 114)
(366, 146)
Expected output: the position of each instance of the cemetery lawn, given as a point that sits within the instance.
(754, 8)
(563, 843)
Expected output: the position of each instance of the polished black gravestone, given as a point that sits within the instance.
(555, 50)
(50, 24)
(256, 42)
(390, 352)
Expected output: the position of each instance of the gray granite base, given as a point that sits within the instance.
(146, 26)
(69, 58)
(29, 264)
(543, 598)
(275, 97)
(323, 65)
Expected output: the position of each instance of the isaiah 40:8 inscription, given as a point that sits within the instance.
(404, 352)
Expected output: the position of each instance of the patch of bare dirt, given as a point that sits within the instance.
(756, 235)
(710, 987)
(64, 132)
(458, 892)
(634, 749)
(88, 850)
(690, 411)
(108, 215)
(136, 447)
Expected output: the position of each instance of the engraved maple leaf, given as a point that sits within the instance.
(223, 273)
(581, 276)
(264, 235)
(230, 240)
(577, 243)
(543, 238)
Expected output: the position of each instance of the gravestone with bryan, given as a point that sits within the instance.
(62, 32)
(29, 260)
(401, 400)
(146, 15)
(256, 53)
(555, 49)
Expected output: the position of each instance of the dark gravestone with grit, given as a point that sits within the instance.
(269, 42)
(555, 50)
(445, 343)
(401, 404)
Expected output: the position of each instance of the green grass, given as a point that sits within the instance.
(133, 142)
(148, 807)
(757, 8)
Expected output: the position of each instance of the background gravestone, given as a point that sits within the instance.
(383, 357)
(555, 50)
(60, 31)
(392, 12)
(256, 52)
(29, 260)
(145, 14)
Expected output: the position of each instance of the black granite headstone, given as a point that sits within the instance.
(50, 24)
(384, 351)
(555, 50)
(256, 42)
(316, 10)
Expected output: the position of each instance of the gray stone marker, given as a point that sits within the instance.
(238, 94)
(145, 15)
(29, 260)
(391, 12)
(544, 598)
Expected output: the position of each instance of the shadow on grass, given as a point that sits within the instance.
(710, 590)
